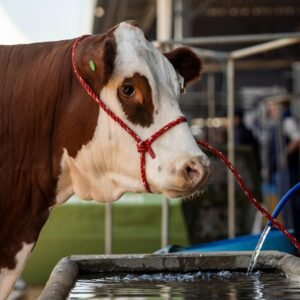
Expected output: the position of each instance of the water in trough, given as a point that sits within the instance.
(195, 285)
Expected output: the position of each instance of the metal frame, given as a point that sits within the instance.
(271, 42)
(230, 39)
(108, 224)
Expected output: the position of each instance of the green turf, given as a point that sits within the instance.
(79, 229)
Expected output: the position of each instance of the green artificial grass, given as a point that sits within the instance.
(79, 229)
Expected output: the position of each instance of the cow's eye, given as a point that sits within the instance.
(128, 90)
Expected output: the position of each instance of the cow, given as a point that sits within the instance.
(55, 141)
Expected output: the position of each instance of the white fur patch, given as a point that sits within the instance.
(9, 277)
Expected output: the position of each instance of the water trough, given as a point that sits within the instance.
(70, 269)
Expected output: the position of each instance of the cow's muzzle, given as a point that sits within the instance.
(190, 176)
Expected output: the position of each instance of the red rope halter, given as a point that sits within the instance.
(142, 146)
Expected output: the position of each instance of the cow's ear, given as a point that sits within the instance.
(186, 62)
(95, 59)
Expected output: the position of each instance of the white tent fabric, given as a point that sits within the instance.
(36, 21)
(9, 31)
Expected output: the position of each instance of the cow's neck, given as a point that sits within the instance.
(96, 172)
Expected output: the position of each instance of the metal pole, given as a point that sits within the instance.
(164, 19)
(178, 20)
(211, 104)
(165, 219)
(232, 39)
(230, 146)
(268, 46)
(210, 53)
(108, 228)
(164, 32)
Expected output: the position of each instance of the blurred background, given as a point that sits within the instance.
(246, 104)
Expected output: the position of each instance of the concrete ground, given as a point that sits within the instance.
(33, 292)
(30, 293)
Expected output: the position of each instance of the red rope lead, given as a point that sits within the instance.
(247, 192)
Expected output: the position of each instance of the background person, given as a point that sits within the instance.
(284, 160)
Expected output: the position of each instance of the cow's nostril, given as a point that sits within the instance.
(189, 170)
(193, 171)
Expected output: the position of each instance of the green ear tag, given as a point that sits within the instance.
(92, 65)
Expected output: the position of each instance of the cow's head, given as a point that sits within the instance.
(142, 87)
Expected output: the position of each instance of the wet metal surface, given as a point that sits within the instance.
(193, 285)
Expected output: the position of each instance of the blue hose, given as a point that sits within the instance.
(283, 201)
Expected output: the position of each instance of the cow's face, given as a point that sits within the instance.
(141, 86)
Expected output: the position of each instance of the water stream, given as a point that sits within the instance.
(258, 249)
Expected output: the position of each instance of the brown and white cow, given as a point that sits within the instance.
(55, 141)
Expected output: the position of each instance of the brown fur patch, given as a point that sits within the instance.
(186, 62)
(138, 107)
(43, 109)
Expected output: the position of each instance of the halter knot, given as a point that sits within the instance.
(144, 147)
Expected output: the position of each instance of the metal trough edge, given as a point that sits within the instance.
(290, 265)
(61, 280)
(68, 269)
